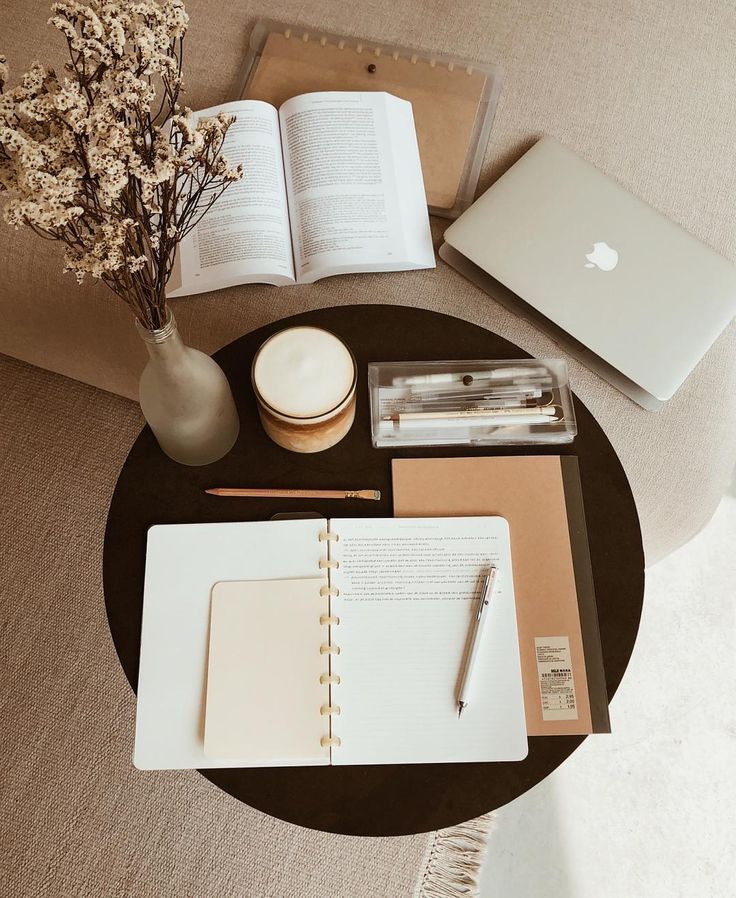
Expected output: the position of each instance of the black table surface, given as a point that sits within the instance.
(152, 489)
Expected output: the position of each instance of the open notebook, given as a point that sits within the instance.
(239, 648)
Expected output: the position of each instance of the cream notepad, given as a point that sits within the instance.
(343, 644)
(263, 677)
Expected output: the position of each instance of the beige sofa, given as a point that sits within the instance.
(642, 90)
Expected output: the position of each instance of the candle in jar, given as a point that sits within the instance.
(304, 380)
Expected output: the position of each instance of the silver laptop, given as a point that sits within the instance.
(615, 282)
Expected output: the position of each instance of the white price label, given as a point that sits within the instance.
(556, 683)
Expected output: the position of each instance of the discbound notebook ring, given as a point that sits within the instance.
(329, 536)
(329, 649)
(329, 678)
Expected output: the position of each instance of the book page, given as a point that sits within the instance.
(354, 183)
(244, 238)
(263, 675)
(408, 596)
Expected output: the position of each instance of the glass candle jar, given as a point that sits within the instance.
(304, 379)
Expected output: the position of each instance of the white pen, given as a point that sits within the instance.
(399, 406)
(447, 377)
(510, 391)
(464, 421)
(497, 417)
(535, 411)
(479, 626)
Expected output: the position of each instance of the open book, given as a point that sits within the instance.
(332, 184)
(314, 642)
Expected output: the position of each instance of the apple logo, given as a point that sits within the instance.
(603, 257)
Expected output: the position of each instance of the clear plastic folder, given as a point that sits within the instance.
(454, 100)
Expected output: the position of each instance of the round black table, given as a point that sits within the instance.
(370, 800)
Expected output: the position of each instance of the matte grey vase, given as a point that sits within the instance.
(186, 398)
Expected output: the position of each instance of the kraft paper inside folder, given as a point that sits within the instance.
(453, 101)
(559, 642)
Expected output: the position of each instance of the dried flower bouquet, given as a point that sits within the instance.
(104, 158)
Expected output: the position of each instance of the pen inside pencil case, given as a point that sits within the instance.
(442, 421)
(513, 395)
(392, 401)
(534, 386)
(397, 406)
(501, 374)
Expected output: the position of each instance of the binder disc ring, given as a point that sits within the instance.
(328, 536)
(332, 679)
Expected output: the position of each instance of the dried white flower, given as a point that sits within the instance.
(87, 159)
(136, 263)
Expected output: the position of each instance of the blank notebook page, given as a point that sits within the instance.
(408, 594)
(183, 562)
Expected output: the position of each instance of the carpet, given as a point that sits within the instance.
(76, 819)
(649, 810)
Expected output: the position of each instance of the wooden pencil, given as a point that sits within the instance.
(294, 494)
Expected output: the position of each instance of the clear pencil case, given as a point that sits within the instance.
(504, 402)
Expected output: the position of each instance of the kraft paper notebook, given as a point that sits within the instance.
(316, 642)
(453, 100)
(559, 641)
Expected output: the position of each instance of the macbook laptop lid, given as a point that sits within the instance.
(640, 297)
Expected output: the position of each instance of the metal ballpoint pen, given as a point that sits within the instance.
(481, 616)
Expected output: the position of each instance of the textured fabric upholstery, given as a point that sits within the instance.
(642, 90)
(77, 819)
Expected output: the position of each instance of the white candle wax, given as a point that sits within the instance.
(303, 372)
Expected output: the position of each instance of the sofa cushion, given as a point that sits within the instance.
(606, 78)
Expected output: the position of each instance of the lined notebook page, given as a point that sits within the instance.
(408, 592)
(263, 677)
